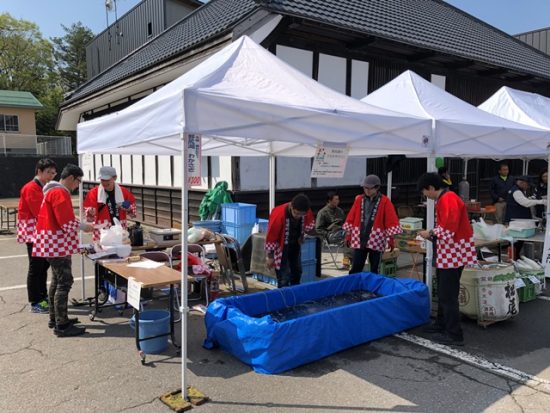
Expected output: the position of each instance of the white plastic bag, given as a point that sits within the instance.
(194, 235)
(113, 236)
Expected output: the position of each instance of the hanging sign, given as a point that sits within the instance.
(194, 150)
(330, 161)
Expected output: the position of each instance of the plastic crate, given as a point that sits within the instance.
(387, 268)
(239, 232)
(522, 233)
(213, 225)
(309, 271)
(239, 214)
(527, 293)
(309, 249)
(262, 223)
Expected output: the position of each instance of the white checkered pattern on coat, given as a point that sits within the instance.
(96, 235)
(355, 235)
(390, 232)
(443, 234)
(377, 240)
(25, 230)
(60, 243)
(277, 253)
(451, 254)
(309, 227)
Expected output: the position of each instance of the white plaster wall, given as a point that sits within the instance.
(293, 172)
(222, 171)
(137, 169)
(150, 170)
(115, 163)
(353, 175)
(332, 72)
(98, 159)
(254, 173)
(359, 79)
(164, 170)
(301, 60)
(126, 167)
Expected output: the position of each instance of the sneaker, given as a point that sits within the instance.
(69, 330)
(447, 340)
(433, 328)
(40, 308)
(51, 323)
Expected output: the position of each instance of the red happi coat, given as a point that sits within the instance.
(385, 225)
(277, 231)
(31, 196)
(57, 227)
(102, 215)
(455, 236)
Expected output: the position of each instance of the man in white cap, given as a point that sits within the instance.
(108, 201)
(371, 224)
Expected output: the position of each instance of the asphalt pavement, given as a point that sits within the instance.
(502, 368)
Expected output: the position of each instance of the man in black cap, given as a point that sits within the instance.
(371, 224)
(518, 205)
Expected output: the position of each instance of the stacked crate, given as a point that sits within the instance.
(238, 220)
(309, 260)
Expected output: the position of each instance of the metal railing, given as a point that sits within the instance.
(18, 144)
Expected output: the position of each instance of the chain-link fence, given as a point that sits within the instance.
(17, 144)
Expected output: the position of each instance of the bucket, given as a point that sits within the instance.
(153, 323)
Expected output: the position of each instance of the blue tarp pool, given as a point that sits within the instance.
(244, 327)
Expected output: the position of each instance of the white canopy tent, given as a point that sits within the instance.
(529, 109)
(458, 128)
(244, 101)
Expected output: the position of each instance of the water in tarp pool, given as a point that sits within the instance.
(319, 305)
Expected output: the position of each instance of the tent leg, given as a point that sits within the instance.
(80, 236)
(271, 182)
(431, 167)
(390, 183)
(184, 308)
(546, 254)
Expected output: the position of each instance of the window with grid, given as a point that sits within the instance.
(9, 123)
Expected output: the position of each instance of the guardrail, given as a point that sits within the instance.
(18, 144)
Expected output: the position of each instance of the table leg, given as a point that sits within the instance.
(499, 251)
(172, 324)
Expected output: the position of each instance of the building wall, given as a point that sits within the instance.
(27, 120)
(539, 39)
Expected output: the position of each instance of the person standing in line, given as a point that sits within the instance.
(541, 192)
(499, 187)
(371, 224)
(30, 199)
(454, 247)
(285, 234)
(107, 201)
(56, 240)
(328, 224)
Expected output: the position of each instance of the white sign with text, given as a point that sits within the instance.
(330, 161)
(134, 293)
(194, 153)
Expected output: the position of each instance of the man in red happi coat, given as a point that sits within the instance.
(56, 240)
(107, 201)
(285, 235)
(454, 247)
(371, 224)
(30, 199)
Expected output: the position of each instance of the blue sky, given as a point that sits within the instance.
(511, 16)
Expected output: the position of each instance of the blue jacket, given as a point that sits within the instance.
(499, 188)
(513, 209)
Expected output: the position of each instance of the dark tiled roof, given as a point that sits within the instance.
(208, 21)
(430, 24)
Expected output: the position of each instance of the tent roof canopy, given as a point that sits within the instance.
(245, 101)
(523, 107)
(460, 129)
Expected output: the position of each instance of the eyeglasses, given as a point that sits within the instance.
(79, 180)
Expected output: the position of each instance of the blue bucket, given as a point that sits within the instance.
(153, 323)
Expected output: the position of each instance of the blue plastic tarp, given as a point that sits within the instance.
(273, 347)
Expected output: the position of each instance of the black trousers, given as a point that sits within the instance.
(36, 277)
(290, 272)
(360, 257)
(448, 315)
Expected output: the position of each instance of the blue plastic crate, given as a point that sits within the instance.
(308, 249)
(262, 223)
(239, 214)
(212, 225)
(239, 232)
(309, 271)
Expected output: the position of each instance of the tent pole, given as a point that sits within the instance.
(184, 224)
(466, 168)
(80, 235)
(271, 182)
(390, 183)
(430, 215)
(546, 254)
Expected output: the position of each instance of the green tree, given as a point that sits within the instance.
(70, 55)
(26, 58)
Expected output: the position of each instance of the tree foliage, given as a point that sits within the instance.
(70, 55)
(26, 59)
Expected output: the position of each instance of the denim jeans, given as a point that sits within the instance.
(290, 272)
